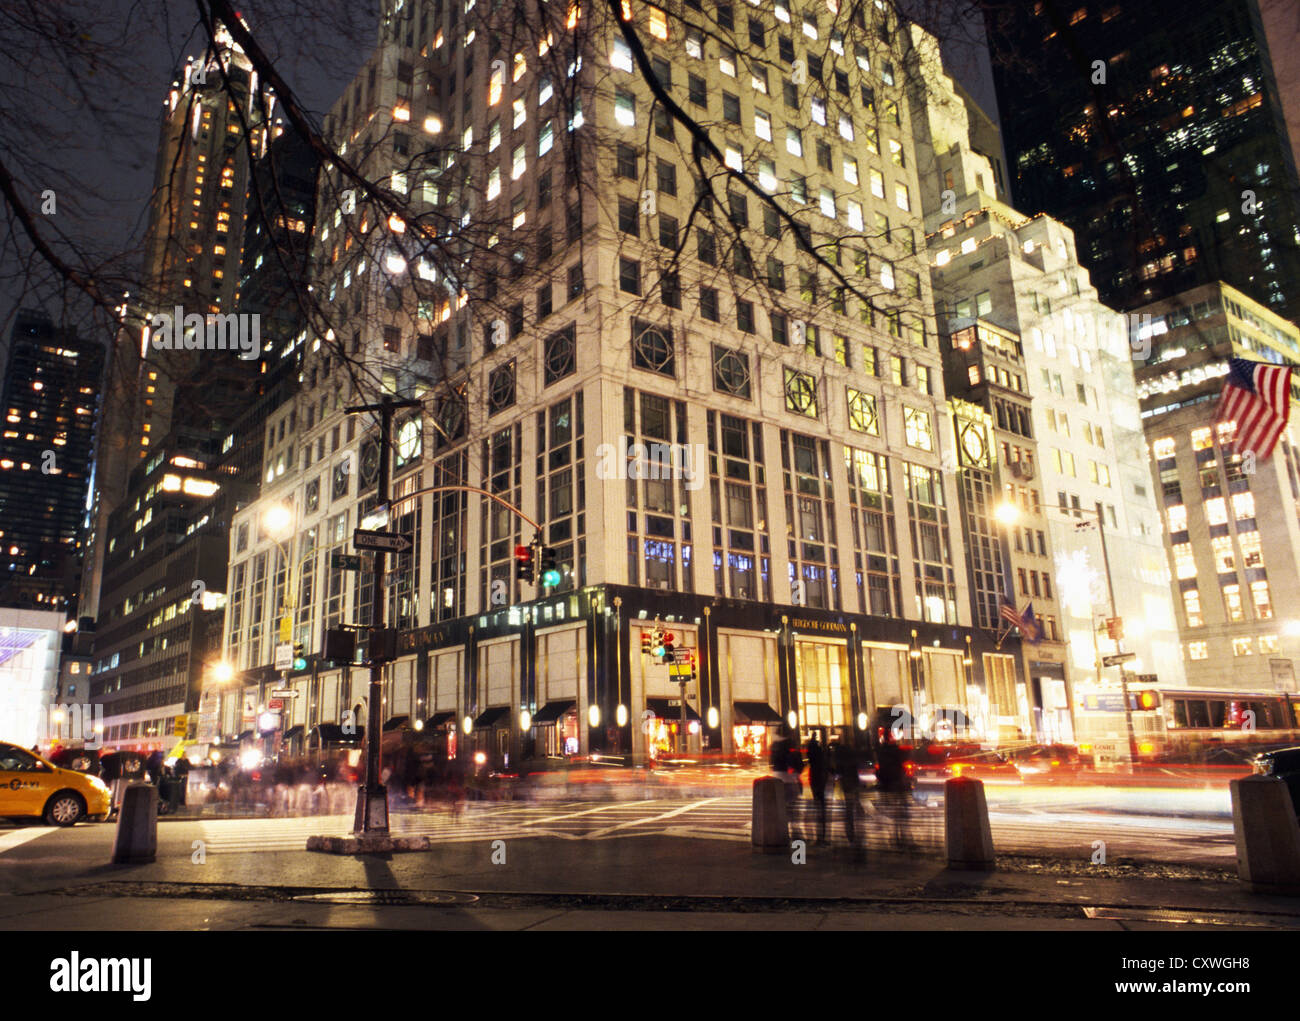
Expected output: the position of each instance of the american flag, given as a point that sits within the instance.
(1026, 622)
(1258, 398)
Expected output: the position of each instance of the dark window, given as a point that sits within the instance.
(629, 276)
(785, 47)
(868, 99)
(670, 290)
(668, 231)
(709, 303)
(575, 280)
(516, 320)
(392, 338)
(574, 222)
(559, 356)
(663, 123)
(626, 161)
(756, 36)
(730, 108)
(780, 327)
(545, 247)
(501, 388)
(696, 91)
(667, 175)
(771, 222)
(842, 82)
(738, 207)
(823, 155)
(726, 17)
(706, 247)
(543, 301)
(745, 316)
(775, 273)
(791, 93)
(741, 261)
(663, 71)
(815, 66)
(731, 372)
(652, 348)
(628, 221)
(544, 190)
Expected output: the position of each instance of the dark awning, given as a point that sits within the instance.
(552, 711)
(246, 735)
(292, 732)
(491, 717)
(332, 733)
(396, 723)
(440, 719)
(661, 708)
(755, 712)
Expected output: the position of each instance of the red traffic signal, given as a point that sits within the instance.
(524, 558)
(646, 642)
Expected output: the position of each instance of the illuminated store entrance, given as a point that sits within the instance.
(822, 680)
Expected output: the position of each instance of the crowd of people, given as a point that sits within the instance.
(831, 761)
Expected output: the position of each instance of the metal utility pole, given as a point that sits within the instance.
(372, 796)
(1119, 642)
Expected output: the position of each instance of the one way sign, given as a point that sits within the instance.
(391, 542)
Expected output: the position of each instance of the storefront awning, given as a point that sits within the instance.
(332, 733)
(396, 723)
(292, 732)
(661, 708)
(755, 712)
(552, 711)
(440, 719)
(491, 717)
(246, 735)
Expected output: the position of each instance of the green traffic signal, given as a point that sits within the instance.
(551, 578)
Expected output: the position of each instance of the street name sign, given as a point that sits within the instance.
(1118, 658)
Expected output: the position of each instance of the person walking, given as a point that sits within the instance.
(818, 775)
(846, 768)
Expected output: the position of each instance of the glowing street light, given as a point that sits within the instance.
(278, 520)
(1007, 513)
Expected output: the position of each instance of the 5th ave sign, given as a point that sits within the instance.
(390, 542)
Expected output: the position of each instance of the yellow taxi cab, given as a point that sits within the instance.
(31, 786)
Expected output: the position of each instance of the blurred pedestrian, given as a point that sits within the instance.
(818, 775)
(846, 768)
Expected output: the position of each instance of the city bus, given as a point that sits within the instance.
(1184, 725)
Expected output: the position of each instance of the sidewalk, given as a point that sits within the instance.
(637, 877)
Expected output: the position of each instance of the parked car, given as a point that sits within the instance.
(1283, 763)
(34, 787)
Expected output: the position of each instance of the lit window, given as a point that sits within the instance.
(850, 170)
(877, 183)
(734, 159)
(1192, 607)
(916, 427)
(1163, 448)
(494, 136)
(401, 113)
(1184, 562)
(545, 137)
(625, 108)
(767, 175)
(1242, 647)
(901, 198)
(520, 113)
(810, 27)
(1198, 650)
(658, 23)
(826, 199)
(727, 62)
(495, 82)
(853, 214)
(763, 125)
(793, 141)
(622, 57)
(494, 183)
(818, 109)
(521, 65)
(519, 163)
(846, 127)
(1263, 604)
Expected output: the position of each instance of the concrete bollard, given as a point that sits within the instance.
(967, 836)
(770, 828)
(1268, 835)
(136, 841)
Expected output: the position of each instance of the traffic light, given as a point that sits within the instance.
(647, 643)
(524, 558)
(299, 657)
(550, 567)
(668, 654)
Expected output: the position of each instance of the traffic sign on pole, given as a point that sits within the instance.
(284, 656)
(1118, 658)
(390, 542)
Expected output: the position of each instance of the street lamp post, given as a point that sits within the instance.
(1119, 639)
(279, 521)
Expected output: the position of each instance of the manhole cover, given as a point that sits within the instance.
(386, 897)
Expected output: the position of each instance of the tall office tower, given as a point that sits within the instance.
(991, 264)
(710, 428)
(985, 365)
(1232, 527)
(1156, 131)
(211, 120)
(51, 386)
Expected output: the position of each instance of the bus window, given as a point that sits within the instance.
(1180, 712)
(1197, 713)
(1221, 713)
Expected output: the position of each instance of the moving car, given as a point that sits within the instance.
(1046, 763)
(1284, 763)
(938, 762)
(36, 788)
